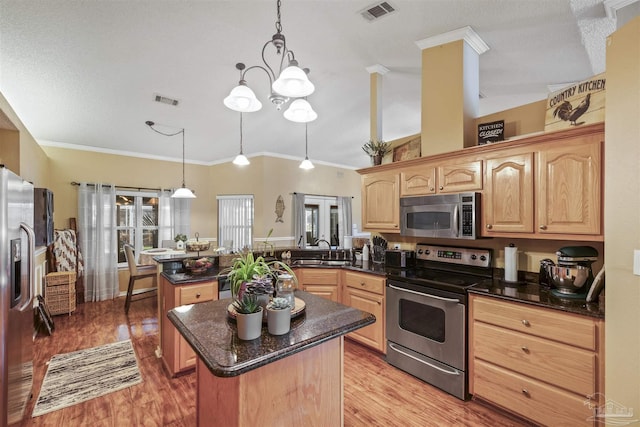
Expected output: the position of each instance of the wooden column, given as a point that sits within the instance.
(375, 89)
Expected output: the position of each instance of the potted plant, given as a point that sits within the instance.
(377, 150)
(248, 317)
(278, 316)
(246, 268)
(262, 288)
(180, 239)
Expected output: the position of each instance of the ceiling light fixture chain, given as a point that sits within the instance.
(289, 82)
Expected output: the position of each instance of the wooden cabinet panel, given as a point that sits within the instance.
(196, 293)
(532, 399)
(418, 180)
(573, 368)
(507, 201)
(568, 328)
(324, 291)
(324, 282)
(381, 201)
(456, 176)
(569, 179)
(367, 282)
(372, 335)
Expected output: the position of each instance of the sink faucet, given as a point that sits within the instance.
(328, 244)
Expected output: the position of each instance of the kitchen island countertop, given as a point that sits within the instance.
(213, 335)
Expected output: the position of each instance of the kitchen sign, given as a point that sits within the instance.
(576, 105)
(490, 132)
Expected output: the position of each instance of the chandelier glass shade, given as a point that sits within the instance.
(241, 159)
(300, 111)
(287, 81)
(182, 192)
(306, 163)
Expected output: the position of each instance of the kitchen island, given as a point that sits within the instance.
(292, 379)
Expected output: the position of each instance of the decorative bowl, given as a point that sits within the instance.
(197, 245)
(197, 266)
(568, 280)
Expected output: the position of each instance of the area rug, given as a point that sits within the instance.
(83, 375)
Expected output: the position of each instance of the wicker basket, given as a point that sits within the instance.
(60, 292)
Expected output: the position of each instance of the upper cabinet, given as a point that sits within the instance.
(418, 180)
(381, 201)
(448, 176)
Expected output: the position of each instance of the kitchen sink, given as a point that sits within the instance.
(328, 262)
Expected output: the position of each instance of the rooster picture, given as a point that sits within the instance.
(567, 113)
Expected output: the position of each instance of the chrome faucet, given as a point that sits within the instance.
(328, 244)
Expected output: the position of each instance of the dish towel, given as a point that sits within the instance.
(66, 251)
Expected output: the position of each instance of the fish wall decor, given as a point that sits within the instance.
(279, 209)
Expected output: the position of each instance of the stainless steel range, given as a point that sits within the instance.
(427, 314)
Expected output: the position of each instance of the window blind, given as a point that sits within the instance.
(235, 221)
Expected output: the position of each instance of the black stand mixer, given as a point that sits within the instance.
(572, 276)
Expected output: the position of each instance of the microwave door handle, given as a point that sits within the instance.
(456, 222)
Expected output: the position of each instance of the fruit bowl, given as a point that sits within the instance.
(197, 266)
(197, 245)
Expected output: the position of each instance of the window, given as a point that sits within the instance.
(321, 220)
(235, 221)
(136, 221)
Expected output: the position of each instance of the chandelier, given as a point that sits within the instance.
(291, 81)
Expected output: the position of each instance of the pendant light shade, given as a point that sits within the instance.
(242, 99)
(241, 159)
(182, 192)
(300, 111)
(306, 163)
(293, 82)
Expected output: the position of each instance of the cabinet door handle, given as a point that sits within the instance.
(198, 295)
(441, 187)
(431, 189)
(526, 323)
(362, 284)
(379, 302)
(526, 392)
(489, 226)
(525, 349)
(543, 227)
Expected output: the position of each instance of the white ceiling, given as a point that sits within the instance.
(84, 73)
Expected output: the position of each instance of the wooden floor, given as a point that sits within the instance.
(376, 394)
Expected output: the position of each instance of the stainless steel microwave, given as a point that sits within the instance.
(450, 216)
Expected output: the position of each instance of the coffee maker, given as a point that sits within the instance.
(572, 276)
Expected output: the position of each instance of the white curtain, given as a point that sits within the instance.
(299, 221)
(98, 240)
(344, 218)
(235, 221)
(173, 216)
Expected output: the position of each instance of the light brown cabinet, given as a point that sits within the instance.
(177, 355)
(381, 202)
(366, 292)
(450, 176)
(542, 364)
(418, 180)
(324, 282)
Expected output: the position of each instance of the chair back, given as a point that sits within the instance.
(169, 244)
(131, 259)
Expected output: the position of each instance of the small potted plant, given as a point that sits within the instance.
(262, 288)
(377, 150)
(248, 317)
(279, 316)
(180, 239)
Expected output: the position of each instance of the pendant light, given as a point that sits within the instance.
(241, 159)
(182, 192)
(306, 163)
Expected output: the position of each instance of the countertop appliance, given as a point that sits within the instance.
(400, 258)
(426, 315)
(572, 276)
(451, 216)
(17, 241)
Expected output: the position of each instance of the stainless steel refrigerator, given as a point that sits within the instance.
(16, 296)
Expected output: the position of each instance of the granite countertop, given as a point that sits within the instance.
(534, 294)
(213, 335)
(181, 277)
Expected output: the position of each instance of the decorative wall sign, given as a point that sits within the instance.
(409, 150)
(490, 132)
(576, 105)
(279, 209)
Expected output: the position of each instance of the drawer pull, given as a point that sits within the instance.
(526, 323)
(525, 349)
(489, 226)
(362, 284)
(543, 227)
(526, 392)
(198, 295)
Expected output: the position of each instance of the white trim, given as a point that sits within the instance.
(378, 68)
(611, 7)
(465, 33)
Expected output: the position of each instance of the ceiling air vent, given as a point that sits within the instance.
(377, 11)
(165, 100)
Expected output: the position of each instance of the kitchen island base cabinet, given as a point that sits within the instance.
(300, 390)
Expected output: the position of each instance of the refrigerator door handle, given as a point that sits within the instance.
(31, 238)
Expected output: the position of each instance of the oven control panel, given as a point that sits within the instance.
(454, 255)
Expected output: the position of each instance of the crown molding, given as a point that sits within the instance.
(378, 68)
(465, 33)
(611, 7)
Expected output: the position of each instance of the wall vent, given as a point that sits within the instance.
(377, 11)
(165, 100)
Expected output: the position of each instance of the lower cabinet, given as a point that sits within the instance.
(542, 364)
(324, 282)
(366, 292)
(177, 355)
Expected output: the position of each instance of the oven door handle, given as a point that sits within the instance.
(446, 371)
(453, 300)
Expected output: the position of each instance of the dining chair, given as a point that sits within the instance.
(169, 244)
(136, 272)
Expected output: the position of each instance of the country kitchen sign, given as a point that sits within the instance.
(576, 105)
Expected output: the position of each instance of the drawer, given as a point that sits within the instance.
(559, 364)
(196, 293)
(532, 399)
(321, 276)
(552, 324)
(365, 282)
